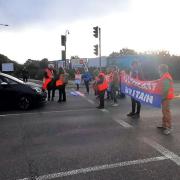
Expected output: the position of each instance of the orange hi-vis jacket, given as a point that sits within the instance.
(60, 81)
(171, 89)
(104, 85)
(47, 80)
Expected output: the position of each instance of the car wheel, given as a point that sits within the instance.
(24, 103)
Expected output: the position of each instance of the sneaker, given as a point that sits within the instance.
(115, 105)
(167, 131)
(130, 114)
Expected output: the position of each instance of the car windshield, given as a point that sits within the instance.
(13, 78)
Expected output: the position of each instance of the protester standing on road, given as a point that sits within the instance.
(77, 79)
(25, 74)
(167, 96)
(60, 85)
(87, 78)
(102, 86)
(136, 105)
(115, 86)
(49, 81)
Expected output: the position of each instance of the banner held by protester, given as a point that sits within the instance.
(147, 92)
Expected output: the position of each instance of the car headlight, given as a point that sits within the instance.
(38, 90)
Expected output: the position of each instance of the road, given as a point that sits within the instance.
(76, 141)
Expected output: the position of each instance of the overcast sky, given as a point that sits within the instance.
(36, 27)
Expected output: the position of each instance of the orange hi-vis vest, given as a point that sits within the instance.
(47, 80)
(171, 89)
(103, 86)
(60, 81)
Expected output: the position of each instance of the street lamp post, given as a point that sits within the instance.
(66, 33)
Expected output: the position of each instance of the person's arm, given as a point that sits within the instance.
(166, 86)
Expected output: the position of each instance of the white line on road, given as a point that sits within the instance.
(119, 121)
(47, 112)
(98, 168)
(122, 123)
(170, 155)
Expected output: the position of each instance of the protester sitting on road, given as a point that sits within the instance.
(167, 96)
(87, 78)
(102, 86)
(77, 79)
(136, 105)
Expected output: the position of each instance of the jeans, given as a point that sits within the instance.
(87, 86)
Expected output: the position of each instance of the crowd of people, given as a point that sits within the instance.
(107, 84)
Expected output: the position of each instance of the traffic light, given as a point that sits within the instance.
(95, 31)
(63, 40)
(96, 49)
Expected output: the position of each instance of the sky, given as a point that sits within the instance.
(35, 27)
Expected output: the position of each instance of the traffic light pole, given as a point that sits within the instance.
(100, 49)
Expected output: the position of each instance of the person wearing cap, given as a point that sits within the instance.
(167, 96)
(102, 86)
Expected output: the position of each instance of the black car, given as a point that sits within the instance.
(14, 92)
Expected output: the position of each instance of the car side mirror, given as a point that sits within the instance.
(4, 84)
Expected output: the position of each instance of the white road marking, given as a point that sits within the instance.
(122, 123)
(170, 155)
(98, 168)
(47, 112)
(90, 101)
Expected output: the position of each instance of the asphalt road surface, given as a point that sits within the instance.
(76, 141)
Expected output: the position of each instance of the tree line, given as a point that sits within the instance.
(36, 67)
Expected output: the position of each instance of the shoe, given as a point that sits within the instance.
(161, 127)
(48, 99)
(130, 114)
(100, 107)
(167, 131)
(52, 99)
(115, 105)
(136, 116)
(59, 101)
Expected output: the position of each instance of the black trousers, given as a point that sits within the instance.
(62, 93)
(77, 87)
(87, 86)
(49, 94)
(136, 106)
(101, 98)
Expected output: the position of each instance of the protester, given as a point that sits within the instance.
(102, 87)
(25, 74)
(115, 86)
(167, 96)
(60, 85)
(136, 105)
(109, 77)
(49, 81)
(87, 78)
(77, 79)
(95, 80)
